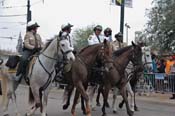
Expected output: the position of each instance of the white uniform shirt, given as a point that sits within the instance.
(94, 40)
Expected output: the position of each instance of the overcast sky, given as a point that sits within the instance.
(53, 13)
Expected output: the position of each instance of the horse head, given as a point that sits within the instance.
(66, 49)
(105, 55)
(146, 58)
(136, 57)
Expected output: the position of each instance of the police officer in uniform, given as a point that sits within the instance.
(97, 37)
(118, 43)
(108, 34)
(63, 34)
(32, 45)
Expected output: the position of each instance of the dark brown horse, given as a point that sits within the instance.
(116, 73)
(80, 69)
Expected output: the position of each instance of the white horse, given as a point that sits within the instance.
(146, 58)
(54, 50)
(43, 73)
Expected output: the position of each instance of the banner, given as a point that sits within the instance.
(128, 3)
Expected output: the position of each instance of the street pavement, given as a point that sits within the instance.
(154, 105)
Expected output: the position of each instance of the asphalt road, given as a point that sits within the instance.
(55, 106)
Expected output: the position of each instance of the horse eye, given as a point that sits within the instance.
(62, 45)
(147, 55)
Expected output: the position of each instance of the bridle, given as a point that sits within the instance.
(64, 53)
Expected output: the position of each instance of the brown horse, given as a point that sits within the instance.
(116, 74)
(80, 70)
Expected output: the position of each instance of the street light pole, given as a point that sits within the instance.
(29, 13)
(122, 15)
(127, 27)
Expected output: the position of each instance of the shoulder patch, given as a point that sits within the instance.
(90, 37)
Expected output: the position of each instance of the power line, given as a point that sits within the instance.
(13, 15)
(8, 7)
(7, 37)
(15, 22)
(37, 2)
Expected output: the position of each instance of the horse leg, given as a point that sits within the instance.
(82, 90)
(124, 95)
(91, 91)
(14, 101)
(98, 95)
(6, 103)
(77, 94)
(14, 87)
(129, 89)
(32, 102)
(135, 106)
(67, 96)
(45, 101)
(105, 98)
(82, 105)
(114, 105)
(82, 101)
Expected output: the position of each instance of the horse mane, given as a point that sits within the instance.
(49, 41)
(121, 51)
(83, 49)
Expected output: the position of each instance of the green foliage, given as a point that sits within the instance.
(81, 35)
(160, 29)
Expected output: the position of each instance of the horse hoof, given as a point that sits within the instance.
(104, 114)
(93, 109)
(98, 104)
(115, 112)
(84, 112)
(130, 113)
(120, 105)
(18, 114)
(107, 105)
(6, 115)
(65, 107)
(136, 109)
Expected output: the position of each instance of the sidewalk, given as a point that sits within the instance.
(157, 98)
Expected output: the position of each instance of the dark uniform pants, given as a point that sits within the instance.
(24, 60)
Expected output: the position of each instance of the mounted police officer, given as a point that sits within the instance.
(63, 34)
(108, 34)
(97, 37)
(118, 43)
(32, 45)
(97, 69)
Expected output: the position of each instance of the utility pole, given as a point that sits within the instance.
(122, 14)
(127, 27)
(29, 12)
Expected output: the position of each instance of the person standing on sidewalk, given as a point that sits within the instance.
(172, 79)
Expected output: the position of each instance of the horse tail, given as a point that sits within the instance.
(31, 97)
(40, 95)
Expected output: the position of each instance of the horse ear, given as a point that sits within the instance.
(105, 41)
(133, 44)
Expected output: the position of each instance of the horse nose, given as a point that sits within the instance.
(72, 58)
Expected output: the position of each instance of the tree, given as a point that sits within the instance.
(160, 28)
(81, 35)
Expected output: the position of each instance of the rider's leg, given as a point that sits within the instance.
(22, 65)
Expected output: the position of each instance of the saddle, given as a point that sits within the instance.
(13, 61)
